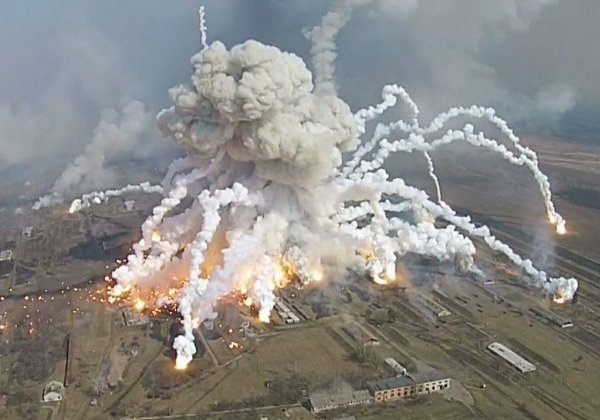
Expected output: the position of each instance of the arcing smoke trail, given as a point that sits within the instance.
(416, 140)
(433, 176)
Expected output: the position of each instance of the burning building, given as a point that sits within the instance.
(133, 318)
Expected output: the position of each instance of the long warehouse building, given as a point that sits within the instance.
(511, 357)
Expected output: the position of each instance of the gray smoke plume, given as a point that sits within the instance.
(114, 134)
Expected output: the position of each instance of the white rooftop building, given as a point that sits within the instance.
(53, 391)
(129, 205)
(27, 232)
(6, 255)
(511, 357)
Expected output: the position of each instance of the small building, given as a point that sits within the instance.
(432, 306)
(396, 367)
(360, 334)
(395, 388)
(53, 391)
(6, 255)
(552, 317)
(129, 205)
(412, 385)
(511, 357)
(319, 404)
(430, 381)
(27, 232)
(131, 319)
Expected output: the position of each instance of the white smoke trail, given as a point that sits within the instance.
(98, 197)
(196, 287)
(433, 176)
(389, 94)
(560, 285)
(417, 141)
(417, 134)
(203, 29)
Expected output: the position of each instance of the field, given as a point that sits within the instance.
(54, 328)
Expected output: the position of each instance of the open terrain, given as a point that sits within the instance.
(56, 328)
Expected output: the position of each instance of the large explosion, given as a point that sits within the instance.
(279, 183)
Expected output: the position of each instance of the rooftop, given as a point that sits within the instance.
(319, 402)
(511, 357)
(389, 383)
(430, 376)
(553, 317)
(433, 306)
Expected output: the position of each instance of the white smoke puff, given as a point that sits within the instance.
(114, 134)
(256, 102)
(556, 99)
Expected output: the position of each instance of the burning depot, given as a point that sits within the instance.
(132, 319)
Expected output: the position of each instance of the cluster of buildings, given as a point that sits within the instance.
(402, 386)
(285, 313)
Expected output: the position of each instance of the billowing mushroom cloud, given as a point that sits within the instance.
(264, 194)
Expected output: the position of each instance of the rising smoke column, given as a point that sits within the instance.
(323, 49)
(268, 197)
(115, 133)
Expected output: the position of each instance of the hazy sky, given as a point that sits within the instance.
(63, 61)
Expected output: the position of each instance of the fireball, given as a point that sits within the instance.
(139, 305)
(181, 363)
